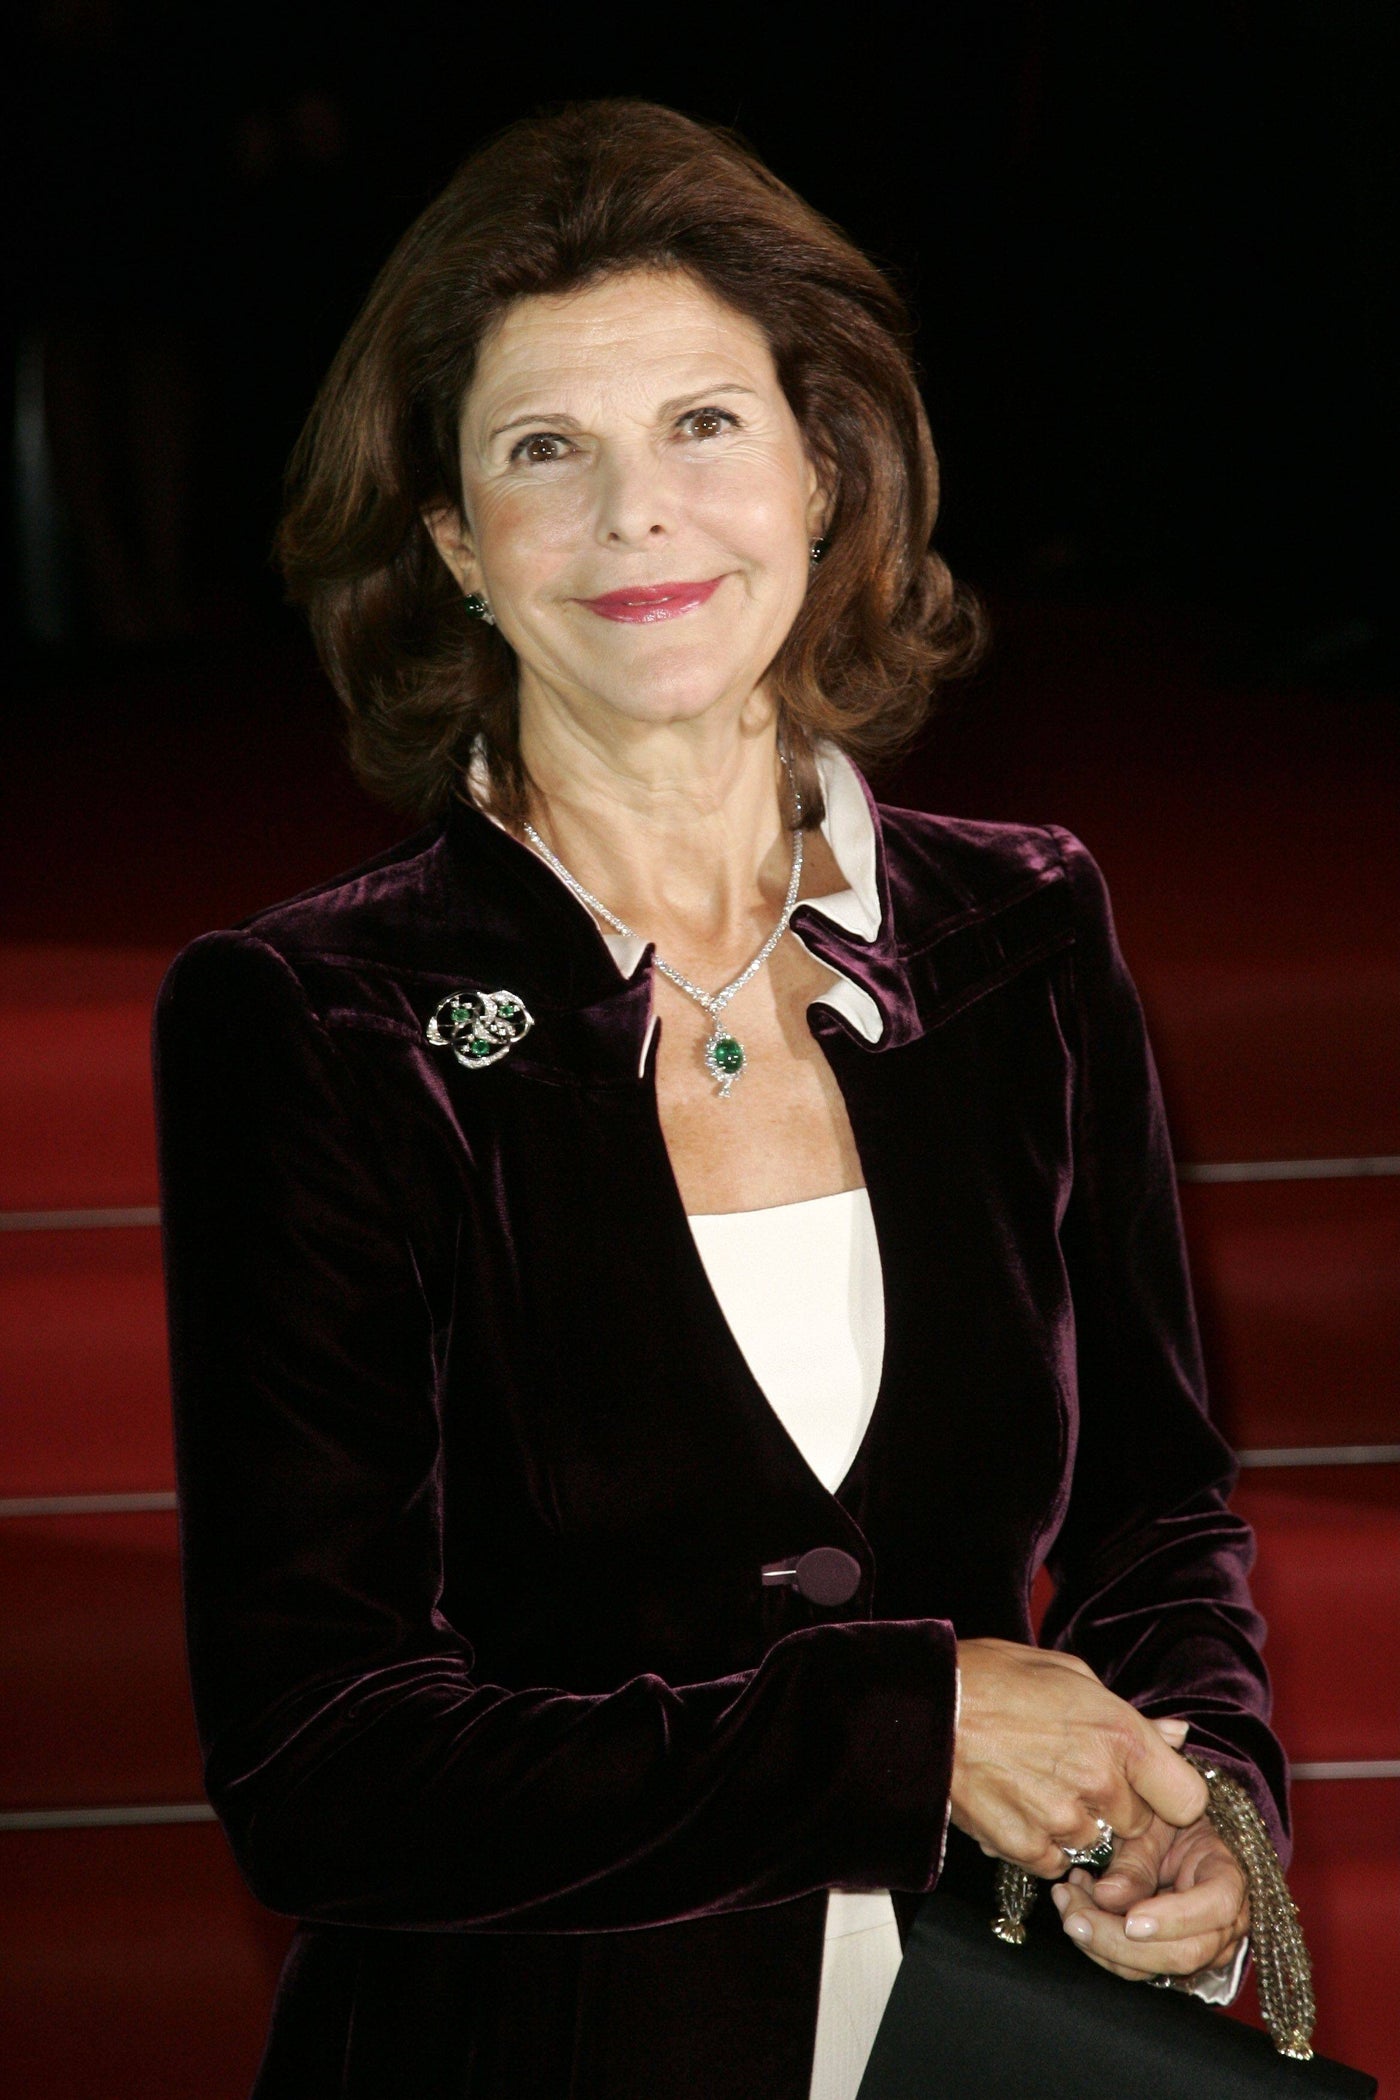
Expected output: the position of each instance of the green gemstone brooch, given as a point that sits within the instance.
(479, 1028)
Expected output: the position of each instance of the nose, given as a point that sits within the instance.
(634, 509)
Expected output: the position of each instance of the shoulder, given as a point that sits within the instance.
(947, 871)
(369, 912)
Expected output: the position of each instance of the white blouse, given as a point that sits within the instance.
(800, 1286)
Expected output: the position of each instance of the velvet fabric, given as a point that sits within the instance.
(476, 1486)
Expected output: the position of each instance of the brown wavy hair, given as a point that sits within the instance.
(552, 204)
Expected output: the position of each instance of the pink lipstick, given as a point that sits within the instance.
(641, 604)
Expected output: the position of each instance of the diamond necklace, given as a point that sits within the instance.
(725, 1056)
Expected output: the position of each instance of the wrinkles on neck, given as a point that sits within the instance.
(677, 828)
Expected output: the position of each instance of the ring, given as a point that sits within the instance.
(1094, 1857)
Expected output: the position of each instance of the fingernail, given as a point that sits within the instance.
(1139, 1928)
(1059, 1896)
(1078, 1929)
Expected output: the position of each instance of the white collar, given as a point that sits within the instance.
(849, 830)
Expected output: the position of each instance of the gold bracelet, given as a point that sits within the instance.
(1280, 1952)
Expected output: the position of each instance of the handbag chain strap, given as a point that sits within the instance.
(1280, 1952)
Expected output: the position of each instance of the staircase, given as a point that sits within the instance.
(1248, 843)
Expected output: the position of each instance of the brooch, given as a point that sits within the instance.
(479, 1027)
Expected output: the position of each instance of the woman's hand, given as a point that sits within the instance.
(1043, 1749)
(1172, 1904)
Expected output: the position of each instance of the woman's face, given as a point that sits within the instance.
(639, 505)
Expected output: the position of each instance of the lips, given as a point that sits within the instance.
(642, 604)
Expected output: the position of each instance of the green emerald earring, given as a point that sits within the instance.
(476, 608)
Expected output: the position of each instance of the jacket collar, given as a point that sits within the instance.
(955, 909)
(851, 930)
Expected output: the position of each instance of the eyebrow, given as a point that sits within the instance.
(561, 419)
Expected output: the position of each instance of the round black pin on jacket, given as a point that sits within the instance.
(824, 1575)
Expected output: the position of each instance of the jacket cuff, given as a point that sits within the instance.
(898, 1730)
(1271, 1803)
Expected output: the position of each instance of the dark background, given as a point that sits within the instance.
(1148, 247)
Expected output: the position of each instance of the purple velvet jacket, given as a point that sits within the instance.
(476, 1486)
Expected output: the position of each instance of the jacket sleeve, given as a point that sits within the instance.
(1150, 1566)
(364, 1773)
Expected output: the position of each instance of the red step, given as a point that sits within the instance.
(1328, 1583)
(1298, 1284)
(92, 1643)
(133, 1963)
(76, 1122)
(83, 1365)
(1291, 1057)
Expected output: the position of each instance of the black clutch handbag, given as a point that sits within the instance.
(1007, 2008)
(972, 2018)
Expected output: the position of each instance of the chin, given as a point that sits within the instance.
(666, 701)
(670, 685)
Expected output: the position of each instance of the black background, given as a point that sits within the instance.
(1149, 249)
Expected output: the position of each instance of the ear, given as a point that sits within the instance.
(449, 536)
(819, 497)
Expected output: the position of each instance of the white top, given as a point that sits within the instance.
(800, 1286)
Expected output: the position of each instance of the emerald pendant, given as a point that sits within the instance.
(724, 1060)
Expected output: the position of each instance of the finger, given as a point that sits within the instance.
(1183, 1964)
(1215, 1903)
(1008, 1836)
(1114, 1798)
(1104, 1938)
(1073, 1899)
(1173, 1789)
(1115, 1790)
(1114, 1968)
(1136, 1872)
(1073, 1827)
(1048, 1862)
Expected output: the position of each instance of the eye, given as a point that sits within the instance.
(708, 422)
(539, 449)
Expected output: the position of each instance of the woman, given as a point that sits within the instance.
(659, 1260)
